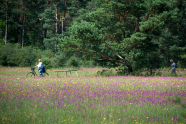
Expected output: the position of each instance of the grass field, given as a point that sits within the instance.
(89, 99)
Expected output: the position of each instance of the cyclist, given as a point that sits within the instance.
(40, 68)
(173, 67)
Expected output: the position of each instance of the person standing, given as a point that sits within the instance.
(173, 68)
(40, 68)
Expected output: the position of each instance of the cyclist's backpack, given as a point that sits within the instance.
(176, 65)
(44, 69)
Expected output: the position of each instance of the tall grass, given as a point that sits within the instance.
(88, 98)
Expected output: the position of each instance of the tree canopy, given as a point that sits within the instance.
(133, 33)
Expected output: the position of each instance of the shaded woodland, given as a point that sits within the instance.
(137, 34)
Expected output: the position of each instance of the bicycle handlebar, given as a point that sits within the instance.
(33, 68)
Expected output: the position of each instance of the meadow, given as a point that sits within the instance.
(89, 99)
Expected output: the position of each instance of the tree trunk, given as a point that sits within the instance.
(23, 35)
(20, 23)
(45, 30)
(63, 20)
(6, 30)
(56, 29)
(45, 33)
(41, 35)
(20, 35)
(129, 69)
(62, 25)
(167, 55)
(23, 40)
(56, 20)
(47, 3)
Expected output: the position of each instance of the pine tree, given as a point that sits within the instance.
(49, 17)
(4, 12)
(125, 32)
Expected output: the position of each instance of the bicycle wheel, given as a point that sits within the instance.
(30, 74)
(45, 74)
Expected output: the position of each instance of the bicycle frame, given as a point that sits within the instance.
(32, 72)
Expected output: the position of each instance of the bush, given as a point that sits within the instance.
(29, 56)
(14, 55)
(88, 63)
(47, 57)
(59, 60)
(106, 72)
(122, 70)
(74, 62)
(138, 73)
(47, 53)
(47, 62)
(8, 55)
(181, 63)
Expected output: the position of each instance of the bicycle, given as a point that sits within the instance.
(45, 73)
(30, 74)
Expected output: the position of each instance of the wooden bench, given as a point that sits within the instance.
(66, 72)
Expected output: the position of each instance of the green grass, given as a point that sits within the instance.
(88, 98)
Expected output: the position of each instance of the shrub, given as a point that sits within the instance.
(59, 60)
(122, 70)
(29, 56)
(74, 62)
(106, 72)
(47, 57)
(14, 55)
(46, 62)
(88, 63)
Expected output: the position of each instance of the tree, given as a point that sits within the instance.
(49, 17)
(5, 4)
(172, 41)
(125, 32)
(6, 32)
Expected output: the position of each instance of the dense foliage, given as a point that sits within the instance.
(133, 33)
